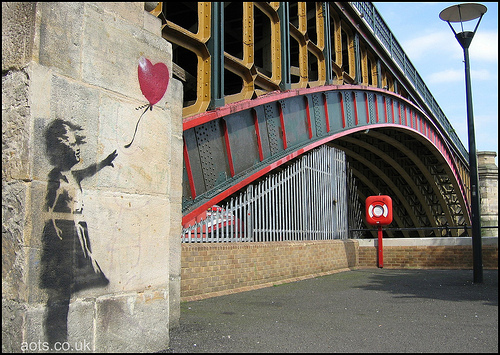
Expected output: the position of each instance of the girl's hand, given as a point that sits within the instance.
(109, 160)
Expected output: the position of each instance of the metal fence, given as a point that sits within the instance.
(305, 201)
(354, 206)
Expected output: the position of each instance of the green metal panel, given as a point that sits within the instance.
(327, 51)
(216, 49)
(284, 16)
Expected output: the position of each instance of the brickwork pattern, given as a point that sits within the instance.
(209, 270)
(444, 257)
(218, 268)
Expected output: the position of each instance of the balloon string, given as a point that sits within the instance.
(137, 125)
(141, 107)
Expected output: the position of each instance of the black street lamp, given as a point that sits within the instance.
(463, 13)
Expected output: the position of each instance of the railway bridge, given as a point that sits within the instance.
(265, 83)
(305, 108)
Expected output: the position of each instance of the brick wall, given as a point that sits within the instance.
(445, 257)
(209, 270)
(214, 269)
(456, 253)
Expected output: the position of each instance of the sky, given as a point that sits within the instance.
(437, 56)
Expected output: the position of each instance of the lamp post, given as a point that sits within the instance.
(463, 13)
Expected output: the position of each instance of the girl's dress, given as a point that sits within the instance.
(67, 263)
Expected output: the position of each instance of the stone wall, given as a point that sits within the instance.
(89, 226)
(488, 191)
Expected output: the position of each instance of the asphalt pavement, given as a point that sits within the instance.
(365, 310)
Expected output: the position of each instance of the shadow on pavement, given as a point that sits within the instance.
(448, 285)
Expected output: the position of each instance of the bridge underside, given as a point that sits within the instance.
(399, 164)
(392, 148)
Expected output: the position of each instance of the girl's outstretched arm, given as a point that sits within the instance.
(91, 170)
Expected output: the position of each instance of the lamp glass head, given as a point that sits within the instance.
(462, 12)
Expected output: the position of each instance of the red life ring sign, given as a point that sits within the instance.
(379, 210)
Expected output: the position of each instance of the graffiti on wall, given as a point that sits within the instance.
(153, 80)
(67, 263)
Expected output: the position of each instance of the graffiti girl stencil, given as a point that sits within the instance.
(67, 263)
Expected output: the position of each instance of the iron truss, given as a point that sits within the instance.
(266, 82)
(392, 148)
(385, 161)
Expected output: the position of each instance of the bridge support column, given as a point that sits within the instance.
(488, 187)
(88, 226)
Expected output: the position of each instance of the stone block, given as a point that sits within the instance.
(107, 128)
(14, 257)
(133, 323)
(40, 159)
(34, 330)
(34, 293)
(13, 316)
(15, 126)
(40, 90)
(138, 168)
(18, 28)
(129, 237)
(130, 12)
(488, 187)
(152, 24)
(81, 324)
(175, 301)
(112, 50)
(174, 108)
(74, 101)
(59, 36)
(173, 104)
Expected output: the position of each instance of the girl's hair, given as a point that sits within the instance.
(57, 131)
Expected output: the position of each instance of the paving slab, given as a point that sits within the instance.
(364, 310)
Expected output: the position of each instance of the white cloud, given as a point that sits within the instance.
(446, 76)
(480, 74)
(484, 47)
(453, 75)
(434, 45)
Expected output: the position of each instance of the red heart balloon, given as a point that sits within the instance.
(153, 79)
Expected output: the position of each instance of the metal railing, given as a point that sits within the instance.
(305, 201)
(357, 233)
(382, 32)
